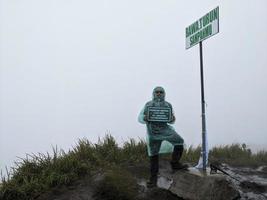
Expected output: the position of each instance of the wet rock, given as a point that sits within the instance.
(252, 183)
(195, 185)
(263, 169)
(252, 187)
(160, 194)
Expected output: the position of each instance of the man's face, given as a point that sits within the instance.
(159, 93)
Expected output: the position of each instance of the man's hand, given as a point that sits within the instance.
(172, 118)
(145, 118)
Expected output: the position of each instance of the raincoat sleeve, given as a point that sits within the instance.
(141, 116)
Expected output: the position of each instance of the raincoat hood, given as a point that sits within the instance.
(162, 95)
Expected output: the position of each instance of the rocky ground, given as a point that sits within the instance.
(251, 182)
(85, 190)
(240, 183)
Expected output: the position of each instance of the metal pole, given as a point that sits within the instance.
(203, 109)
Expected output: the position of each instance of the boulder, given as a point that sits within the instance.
(196, 185)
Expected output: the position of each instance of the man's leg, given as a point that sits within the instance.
(176, 156)
(177, 153)
(178, 143)
(154, 169)
(154, 163)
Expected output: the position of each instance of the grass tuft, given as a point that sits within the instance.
(238, 155)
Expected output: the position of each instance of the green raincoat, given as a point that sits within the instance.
(161, 137)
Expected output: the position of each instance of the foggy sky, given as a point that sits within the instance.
(73, 69)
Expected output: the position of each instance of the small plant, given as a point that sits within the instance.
(238, 155)
(191, 155)
(134, 152)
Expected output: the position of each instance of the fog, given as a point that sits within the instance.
(82, 69)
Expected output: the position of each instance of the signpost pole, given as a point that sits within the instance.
(198, 31)
(203, 108)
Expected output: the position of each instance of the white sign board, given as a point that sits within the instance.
(159, 114)
(205, 27)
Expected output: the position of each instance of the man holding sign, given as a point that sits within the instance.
(161, 137)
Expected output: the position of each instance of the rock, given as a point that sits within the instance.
(159, 194)
(252, 182)
(196, 185)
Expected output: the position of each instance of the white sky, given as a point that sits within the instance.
(78, 68)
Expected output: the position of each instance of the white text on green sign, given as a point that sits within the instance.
(203, 28)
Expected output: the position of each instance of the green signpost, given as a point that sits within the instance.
(203, 28)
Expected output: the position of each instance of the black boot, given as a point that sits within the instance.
(152, 182)
(176, 156)
(154, 169)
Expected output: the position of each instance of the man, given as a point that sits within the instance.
(157, 133)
